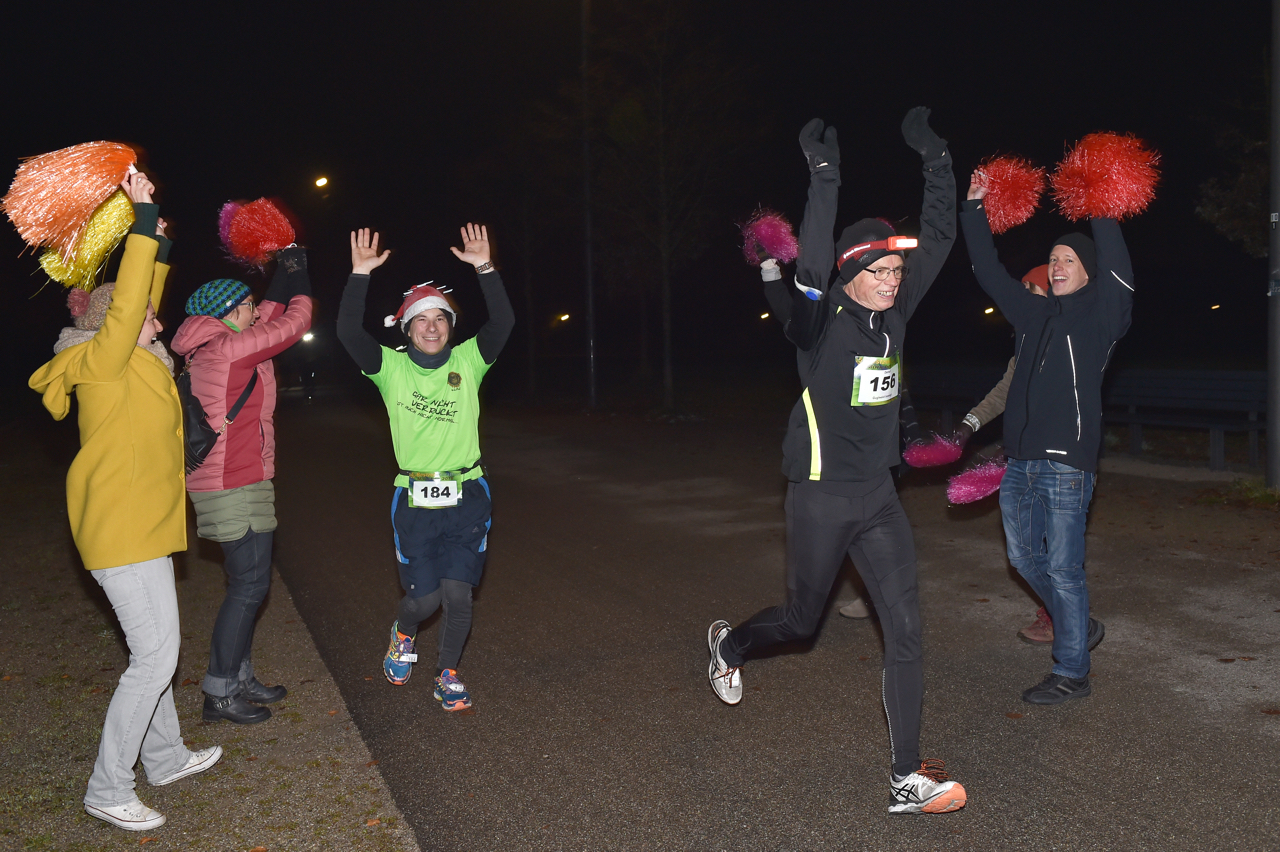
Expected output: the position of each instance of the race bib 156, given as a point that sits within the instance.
(875, 380)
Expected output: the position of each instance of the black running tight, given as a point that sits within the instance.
(873, 530)
(455, 624)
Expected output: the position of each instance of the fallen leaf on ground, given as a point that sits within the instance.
(1014, 715)
(188, 682)
(371, 763)
(372, 821)
(333, 712)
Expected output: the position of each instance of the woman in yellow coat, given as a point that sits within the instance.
(125, 502)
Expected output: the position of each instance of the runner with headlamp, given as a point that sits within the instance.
(843, 439)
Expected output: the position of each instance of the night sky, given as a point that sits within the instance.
(427, 116)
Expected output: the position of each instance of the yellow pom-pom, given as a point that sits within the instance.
(109, 225)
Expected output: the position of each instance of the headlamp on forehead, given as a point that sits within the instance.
(891, 244)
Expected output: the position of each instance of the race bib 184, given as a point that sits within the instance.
(875, 380)
(434, 493)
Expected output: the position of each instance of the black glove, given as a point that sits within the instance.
(920, 136)
(820, 149)
(292, 259)
(962, 435)
(290, 278)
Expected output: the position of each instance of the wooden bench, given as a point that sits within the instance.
(1220, 401)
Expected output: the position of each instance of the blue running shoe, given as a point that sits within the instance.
(398, 664)
(451, 692)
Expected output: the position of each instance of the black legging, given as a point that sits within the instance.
(875, 532)
(455, 622)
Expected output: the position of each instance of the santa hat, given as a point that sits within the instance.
(420, 298)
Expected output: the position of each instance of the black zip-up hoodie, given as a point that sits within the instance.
(1062, 345)
(853, 443)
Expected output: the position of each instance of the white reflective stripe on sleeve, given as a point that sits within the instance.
(1059, 452)
(1122, 281)
(1074, 389)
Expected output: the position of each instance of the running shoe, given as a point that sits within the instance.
(451, 692)
(1040, 631)
(1056, 689)
(725, 680)
(926, 791)
(1096, 632)
(398, 664)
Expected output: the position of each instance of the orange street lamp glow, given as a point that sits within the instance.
(564, 318)
(322, 181)
(989, 311)
(1215, 307)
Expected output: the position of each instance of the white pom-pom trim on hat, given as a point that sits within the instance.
(389, 321)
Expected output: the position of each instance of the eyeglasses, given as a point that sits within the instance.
(883, 272)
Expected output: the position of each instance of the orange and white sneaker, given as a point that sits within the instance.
(928, 790)
(451, 692)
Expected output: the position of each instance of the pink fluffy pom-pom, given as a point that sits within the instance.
(976, 483)
(225, 215)
(1014, 187)
(937, 452)
(77, 301)
(771, 232)
(1106, 175)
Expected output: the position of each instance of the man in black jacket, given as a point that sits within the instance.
(843, 440)
(1053, 421)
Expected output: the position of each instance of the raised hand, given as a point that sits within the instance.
(475, 245)
(138, 187)
(920, 136)
(978, 185)
(364, 252)
(820, 149)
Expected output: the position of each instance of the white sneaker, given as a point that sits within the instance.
(926, 791)
(856, 608)
(133, 816)
(726, 681)
(199, 761)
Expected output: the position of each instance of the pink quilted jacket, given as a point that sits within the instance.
(220, 368)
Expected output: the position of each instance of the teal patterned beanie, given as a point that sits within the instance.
(217, 298)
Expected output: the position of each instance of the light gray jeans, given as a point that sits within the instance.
(141, 720)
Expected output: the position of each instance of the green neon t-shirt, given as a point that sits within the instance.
(434, 414)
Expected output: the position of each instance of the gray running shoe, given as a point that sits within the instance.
(725, 680)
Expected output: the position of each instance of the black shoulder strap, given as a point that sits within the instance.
(244, 397)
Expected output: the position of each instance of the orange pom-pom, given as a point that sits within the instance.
(257, 231)
(1106, 176)
(54, 195)
(1014, 187)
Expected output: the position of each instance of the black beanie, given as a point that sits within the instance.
(862, 231)
(1083, 247)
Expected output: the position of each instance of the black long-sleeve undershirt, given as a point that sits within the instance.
(366, 351)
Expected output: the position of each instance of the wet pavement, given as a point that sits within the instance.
(616, 541)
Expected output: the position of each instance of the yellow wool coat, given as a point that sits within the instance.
(125, 489)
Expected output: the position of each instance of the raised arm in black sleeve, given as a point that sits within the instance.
(493, 335)
(1013, 300)
(937, 232)
(1115, 276)
(364, 350)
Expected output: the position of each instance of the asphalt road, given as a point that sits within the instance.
(616, 541)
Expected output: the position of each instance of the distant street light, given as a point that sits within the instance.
(1215, 307)
(322, 181)
(764, 315)
(308, 337)
(989, 311)
(564, 318)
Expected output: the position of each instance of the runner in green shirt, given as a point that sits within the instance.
(441, 502)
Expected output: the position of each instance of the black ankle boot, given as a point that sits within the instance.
(234, 708)
(259, 693)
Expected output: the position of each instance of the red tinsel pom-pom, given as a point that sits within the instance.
(1014, 187)
(939, 451)
(257, 231)
(77, 301)
(1106, 175)
(770, 231)
(976, 483)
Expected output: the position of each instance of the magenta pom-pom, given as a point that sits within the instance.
(976, 483)
(1106, 175)
(771, 232)
(225, 215)
(939, 451)
(1014, 187)
(77, 301)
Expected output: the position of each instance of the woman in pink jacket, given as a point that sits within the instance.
(229, 342)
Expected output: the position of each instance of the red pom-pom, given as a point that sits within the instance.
(257, 231)
(939, 451)
(772, 232)
(976, 483)
(77, 301)
(1106, 176)
(1014, 187)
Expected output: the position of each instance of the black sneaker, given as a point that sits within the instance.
(1056, 689)
(1097, 630)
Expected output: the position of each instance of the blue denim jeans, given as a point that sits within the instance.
(141, 719)
(1044, 505)
(248, 569)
